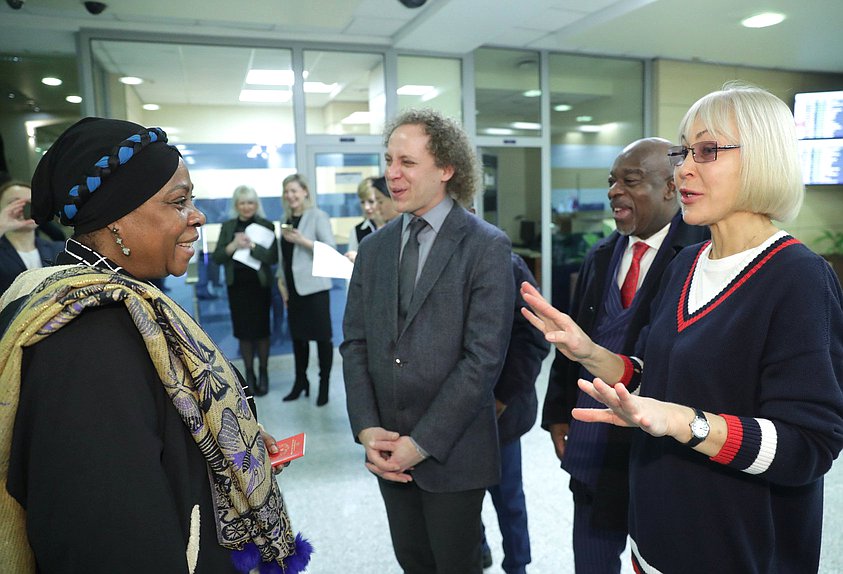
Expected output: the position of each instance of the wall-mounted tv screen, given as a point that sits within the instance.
(819, 115)
(822, 161)
(819, 127)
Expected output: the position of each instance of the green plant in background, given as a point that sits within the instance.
(830, 242)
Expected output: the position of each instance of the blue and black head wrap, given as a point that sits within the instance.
(99, 170)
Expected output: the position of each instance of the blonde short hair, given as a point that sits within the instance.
(763, 125)
(302, 181)
(248, 193)
(365, 189)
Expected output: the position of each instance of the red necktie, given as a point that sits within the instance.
(630, 283)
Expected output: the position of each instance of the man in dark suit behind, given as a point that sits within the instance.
(419, 370)
(613, 310)
(516, 403)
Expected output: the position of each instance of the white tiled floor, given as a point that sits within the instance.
(335, 502)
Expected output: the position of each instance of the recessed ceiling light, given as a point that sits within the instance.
(532, 93)
(73, 99)
(131, 80)
(583, 119)
(591, 129)
(151, 107)
(563, 108)
(526, 125)
(51, 81)
(763, 20)
(499, 131)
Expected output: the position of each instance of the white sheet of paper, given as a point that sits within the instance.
(244, 256)
(260, 235)
(328, 262)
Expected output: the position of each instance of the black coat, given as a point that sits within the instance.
(516, 387)
(101, 460)
(11, 265)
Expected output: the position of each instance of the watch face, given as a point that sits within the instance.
(700, 427)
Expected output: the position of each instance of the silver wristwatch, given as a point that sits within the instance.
(699, 428)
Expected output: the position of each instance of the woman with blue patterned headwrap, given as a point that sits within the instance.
(128, 441)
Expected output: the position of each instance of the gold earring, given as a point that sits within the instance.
(119, 241)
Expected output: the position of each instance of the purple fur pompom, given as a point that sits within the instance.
(271, 568)
(247, 559)
(297, 562)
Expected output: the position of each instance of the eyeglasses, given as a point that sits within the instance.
(703, 152)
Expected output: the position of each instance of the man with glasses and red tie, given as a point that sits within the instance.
(614, 292)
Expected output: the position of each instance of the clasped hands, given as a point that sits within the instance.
(242, 241)
(388, 454)
(293, 235)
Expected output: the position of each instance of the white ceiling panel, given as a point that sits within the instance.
(808, 39)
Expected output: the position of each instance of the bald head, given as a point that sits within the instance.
(641, 189)
(650, 153)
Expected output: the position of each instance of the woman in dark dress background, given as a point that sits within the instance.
(307, 297)
(248, 288)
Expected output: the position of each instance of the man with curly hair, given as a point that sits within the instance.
(426, 327)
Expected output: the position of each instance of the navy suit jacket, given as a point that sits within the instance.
(11, 265)
(433, 381)
(612, 494)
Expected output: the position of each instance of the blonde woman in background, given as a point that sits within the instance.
(386, 207)
(371, 218)
(249, 294)
(306, 297)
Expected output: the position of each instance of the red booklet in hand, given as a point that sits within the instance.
(289, 449)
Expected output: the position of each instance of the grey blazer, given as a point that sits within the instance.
(315, 225)
(434, 380)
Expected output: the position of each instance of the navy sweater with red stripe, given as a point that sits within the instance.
(768, 354)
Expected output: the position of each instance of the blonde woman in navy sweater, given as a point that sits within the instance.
(741, 367)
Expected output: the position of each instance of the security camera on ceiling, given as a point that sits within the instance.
(95, 7)
(413, 3)
(15, 4)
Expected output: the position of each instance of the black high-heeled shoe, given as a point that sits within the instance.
(299, 387)
(322, 399)
(251, 383)
(262, 385)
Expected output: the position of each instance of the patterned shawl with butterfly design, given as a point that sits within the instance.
(201, 383)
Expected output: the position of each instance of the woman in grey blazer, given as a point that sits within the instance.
(306, 297)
